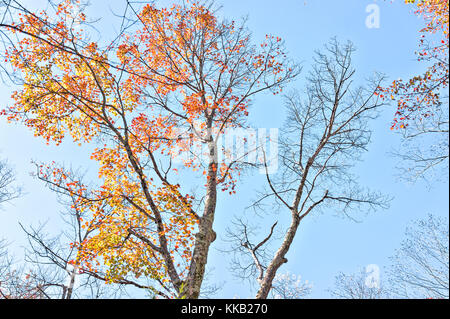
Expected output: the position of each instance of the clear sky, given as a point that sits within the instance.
(325, 244)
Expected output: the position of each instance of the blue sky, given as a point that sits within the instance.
(325, 244)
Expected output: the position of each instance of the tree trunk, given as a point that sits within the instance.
(279, 259)
(206, 234)
(71, 282)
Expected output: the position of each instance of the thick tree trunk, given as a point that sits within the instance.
(279, 259)
(206, 234)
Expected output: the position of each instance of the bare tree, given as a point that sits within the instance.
(357, 286)
(5, 266)
(420, 267)
(8, 190)
(325, 133)
(16, 282)
(290, 286)
(424, 147)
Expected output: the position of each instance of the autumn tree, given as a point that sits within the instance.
(52, 258)
(326, 131)
(422, 101)
(173, 78)
(46, 270)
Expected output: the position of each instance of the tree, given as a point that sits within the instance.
(423, 152)
(422, 101)
(325, 132)
(53, 258)
(8, 191)
(47, 271)
(356, 286)
(15, 281)
(181, 78)
(290, 286)
(419, 96)
(420, 267)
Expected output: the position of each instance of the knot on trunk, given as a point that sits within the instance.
(212, 236)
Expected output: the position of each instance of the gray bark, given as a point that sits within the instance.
(279, 259)
(206, 234)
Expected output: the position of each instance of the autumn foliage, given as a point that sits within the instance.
(182, 74)
(419, 96)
